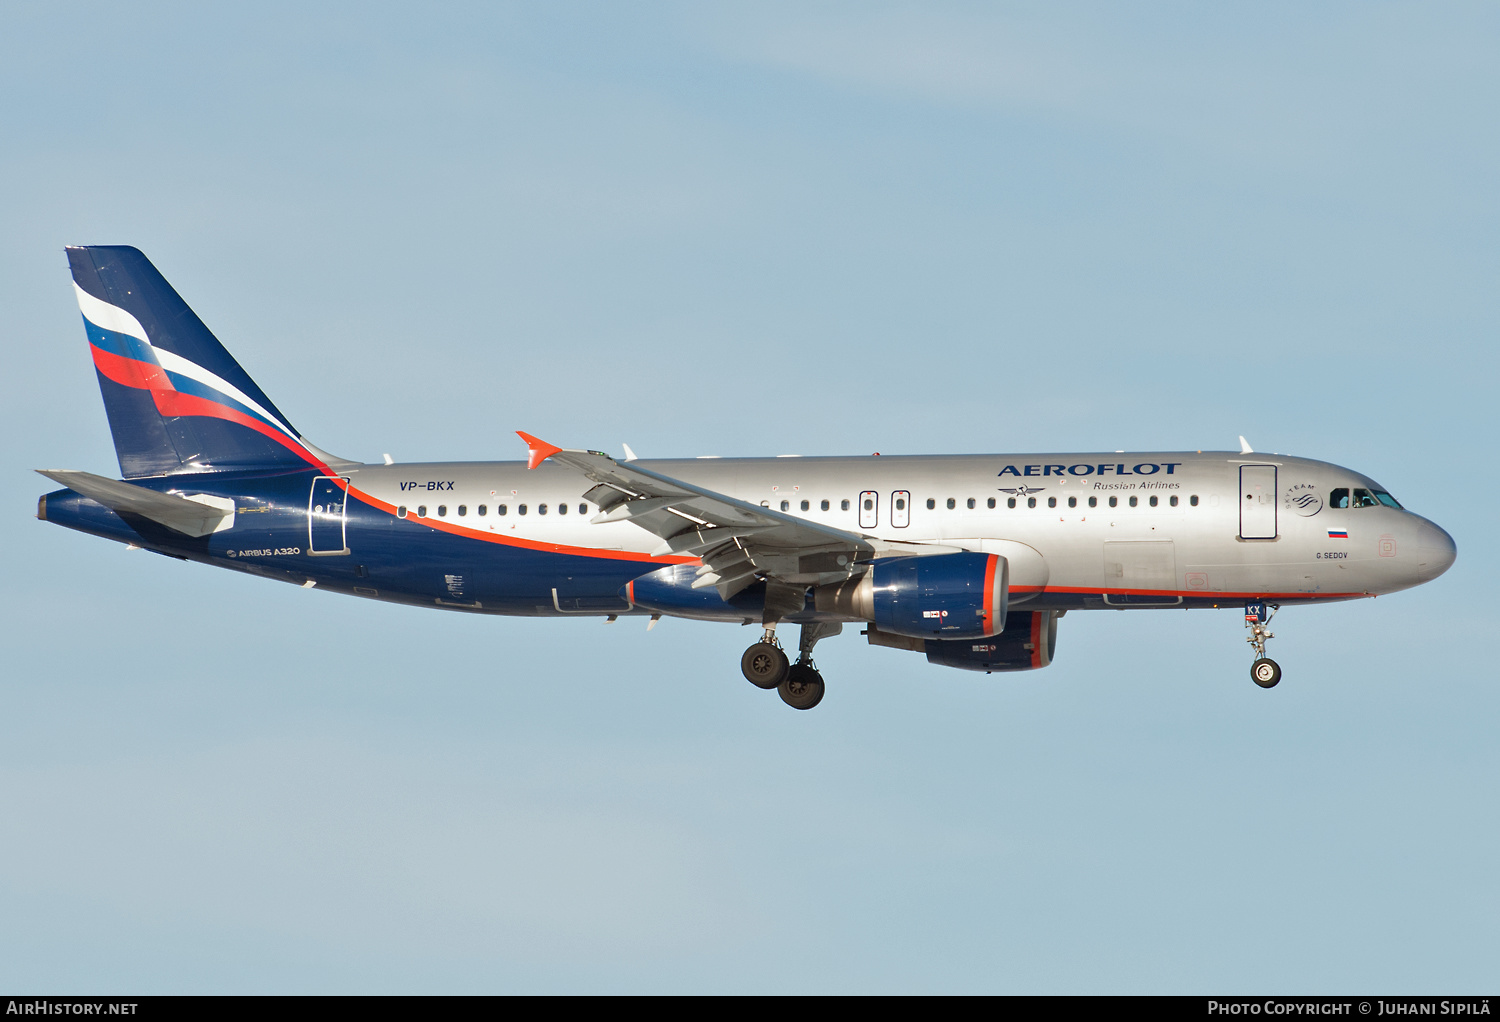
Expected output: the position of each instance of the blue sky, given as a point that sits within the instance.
(743, 230)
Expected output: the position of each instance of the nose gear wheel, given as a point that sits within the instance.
(1265, 672)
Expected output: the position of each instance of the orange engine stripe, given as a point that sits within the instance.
(989, 594)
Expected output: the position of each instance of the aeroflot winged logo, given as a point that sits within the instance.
(1021, 491)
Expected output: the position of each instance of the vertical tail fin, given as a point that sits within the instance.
(177, 400)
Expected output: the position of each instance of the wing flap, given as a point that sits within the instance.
(739, 542)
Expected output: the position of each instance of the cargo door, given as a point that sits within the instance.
(1140, 574)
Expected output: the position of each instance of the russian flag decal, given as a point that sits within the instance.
(1338, 533)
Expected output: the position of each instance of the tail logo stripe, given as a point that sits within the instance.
(135, 362)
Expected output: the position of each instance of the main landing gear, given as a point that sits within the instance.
(799, 684)
(1265, 672)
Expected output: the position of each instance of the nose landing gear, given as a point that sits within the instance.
(1265, 672)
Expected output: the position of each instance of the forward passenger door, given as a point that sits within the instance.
(1257, 502)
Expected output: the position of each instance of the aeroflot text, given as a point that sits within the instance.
(1145, 469)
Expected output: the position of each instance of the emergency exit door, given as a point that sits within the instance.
(1257, 501)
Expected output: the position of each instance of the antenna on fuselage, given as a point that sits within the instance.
(1245, 446)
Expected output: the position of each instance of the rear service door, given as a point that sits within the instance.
(325, 517)
(1257, 502)
(869, 509)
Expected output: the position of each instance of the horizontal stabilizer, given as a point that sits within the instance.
(188, 515)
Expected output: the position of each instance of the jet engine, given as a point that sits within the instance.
(1028, 642)
(943, 596)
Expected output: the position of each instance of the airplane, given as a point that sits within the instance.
(968, 559)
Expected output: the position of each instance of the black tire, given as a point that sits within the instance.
(1265, 672)
(764, 665)
(802, 689)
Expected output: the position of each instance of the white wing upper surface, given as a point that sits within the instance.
(739, 542)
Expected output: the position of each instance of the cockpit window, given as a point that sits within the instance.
(1364, 498)
(1387, 499)
(1339, 497)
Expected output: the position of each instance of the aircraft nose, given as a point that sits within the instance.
(1433, 551)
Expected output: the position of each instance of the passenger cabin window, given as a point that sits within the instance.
(843, 505)
(1072, 502)
(463, 509)
(952, 503)
(541, 509)
(583, 509)
(824, 505)
(786, 505)
(1134, 501)
(971, 503)
(1010, 502)
(806, 505)
(521, 510)
(1052, 502)
(421, 510)
(401, 511)
(502, 510)
(562, 509)
(442, 510)
(483, 510)
(1093, 502)
(1031, 502)
(1114, 502)
(990, 502)
(1153, 501)
(1193, 500)
(1172, 500)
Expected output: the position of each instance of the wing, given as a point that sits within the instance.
(738, 542)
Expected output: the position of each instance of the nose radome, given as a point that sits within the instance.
(1433, 551)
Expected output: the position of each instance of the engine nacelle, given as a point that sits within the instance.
(944, 596)
(1028, 642)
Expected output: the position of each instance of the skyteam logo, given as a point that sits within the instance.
(1302, 499)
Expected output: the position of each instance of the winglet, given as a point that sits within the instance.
(1245, 446)
(538, 451)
